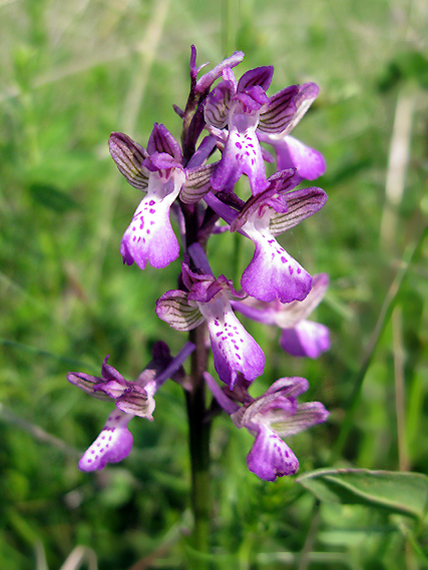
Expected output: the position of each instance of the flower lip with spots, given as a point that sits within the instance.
(150, 237)
(270, 417)
(273, 273)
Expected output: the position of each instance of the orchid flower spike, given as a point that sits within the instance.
(270, 417)
(132, 399)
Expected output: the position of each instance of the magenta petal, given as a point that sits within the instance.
(306, 339)
(261, 76)
(234, 349)
(162, 141)
(273, 273)
(112, 445)
(270, 457)
(291, 152)
(241, 155)
(149, 236)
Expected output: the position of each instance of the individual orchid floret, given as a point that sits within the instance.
(237, 106)
(299, 336)
(290, 152)
(270, 417)
(132, 399)
(159, 172)
(207, 299)
(149, 237)
(273, 273)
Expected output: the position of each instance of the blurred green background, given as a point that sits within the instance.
(72, 72)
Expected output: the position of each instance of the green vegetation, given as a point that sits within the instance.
(73, 72)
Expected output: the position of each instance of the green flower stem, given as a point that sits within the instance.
(199, 433)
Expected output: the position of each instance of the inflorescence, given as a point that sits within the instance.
(232, 117)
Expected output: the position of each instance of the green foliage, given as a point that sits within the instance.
(397, 492)
(71, 73)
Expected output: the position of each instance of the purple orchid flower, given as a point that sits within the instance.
(290, 152)
(270, 417)
(299, 336)
(207, 299)
(273, 273)
(238, 106)
(115, 441)
(159, 172)
(251, 116)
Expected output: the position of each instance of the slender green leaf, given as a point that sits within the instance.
(398, 492)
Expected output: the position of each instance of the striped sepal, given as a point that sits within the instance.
(279, 112)
(301, 204)
(128, 156)
(197, 183)
(174, 309)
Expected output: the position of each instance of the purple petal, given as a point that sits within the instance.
(234, 349)
(278, 114)
(301, 204)
(203, 152)
(305, 416)
(112, 445)
(137, 403)
(270, 457)
(88, 383)
(287, 316)
(208, 79)
(261, 76)
(226, 403)
(113, 388)
(129, 156)
(110, 373)
(308, 92)
(174, 309)
(161, 140)
(216, 109)
(173, 370)
(290, 153)
(276, 196)
(149, 236)
(241, 155)
(293, 386)
(160, 161)
(306, 339)
(273, 273)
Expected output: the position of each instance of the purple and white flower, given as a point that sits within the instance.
(115, 441)
(250, 117)
(237, 106)
(270, 417)
(160, 173)
(273, 273)
(207, 299)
